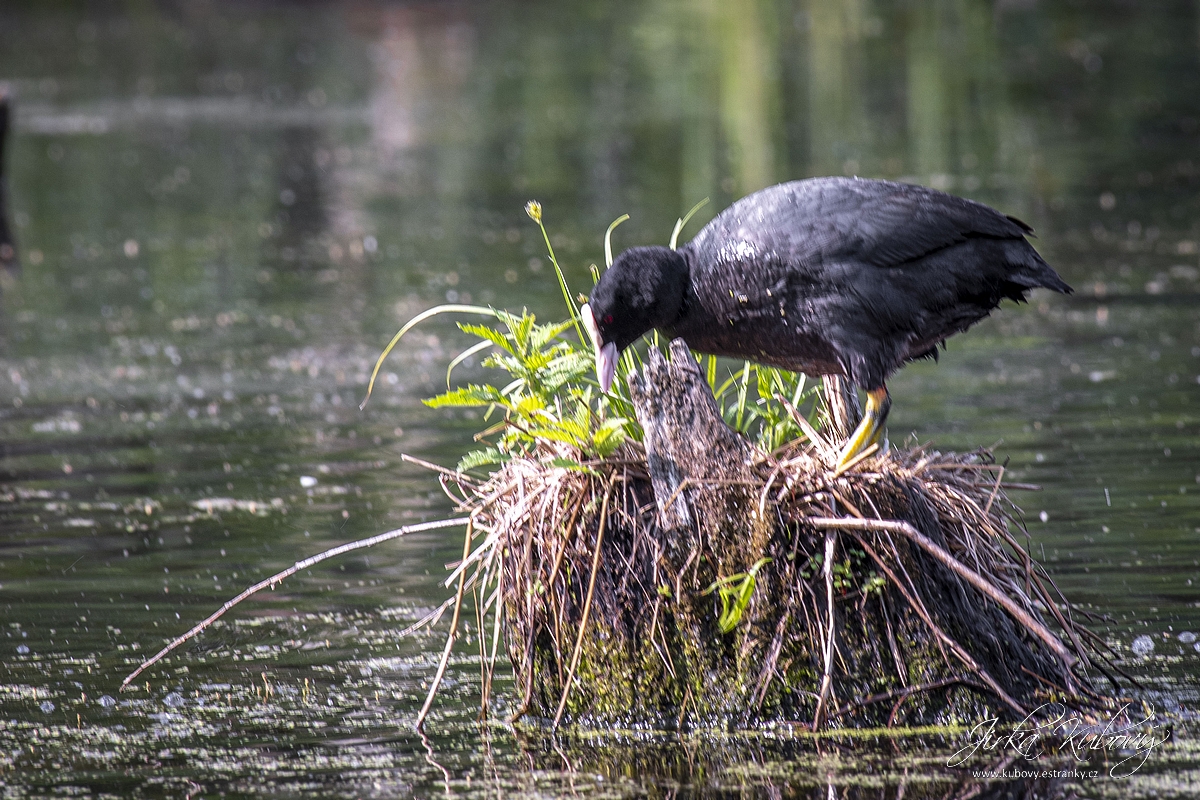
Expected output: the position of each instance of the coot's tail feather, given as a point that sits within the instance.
(1030, 271)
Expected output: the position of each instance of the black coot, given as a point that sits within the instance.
(828, 276)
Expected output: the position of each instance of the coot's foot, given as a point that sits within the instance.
(871, 429)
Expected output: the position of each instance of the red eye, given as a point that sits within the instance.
(608, 320)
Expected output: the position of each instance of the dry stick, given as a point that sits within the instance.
(527, 554)
(1036, 581)
(901, 671)
(458, 477)
(957, 466)
(429, 619)
(908, 581)
(768, 670)
(429, 757)
(687, 696)
(849, 506)
(278, 577)
(527, 697)
(587, 607)
(491, 664)
(550, 594)
(459, 501)
(762, 500)
(806, 426)
(441, 670)
(963, 571)
(1046, 681)
(907, 691)
(527, 655)
(942, 636)
(995, 490)
(483, 678)
(827, 673)
(1062, 620)
(567, 534)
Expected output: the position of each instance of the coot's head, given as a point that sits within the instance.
(642, 290)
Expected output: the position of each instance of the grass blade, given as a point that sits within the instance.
(684, 221)
(534, 209)
(464, 355)
(424, 315)
(608, 259)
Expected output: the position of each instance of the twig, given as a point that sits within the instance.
(849, 506)
(995, 490)
(441, 670)
(587, 607)
(420, 462)
(429, 757)
(806, 426)
(827, 672)
(1046, 681)
(287, 573)
(962, 654)
(429, 619)
(567, 533)
(483, 662)
(963, 571)
(683, 708)
(907, 691)
(768, 670)
(491, 670)
(527, 697)
(901, 669)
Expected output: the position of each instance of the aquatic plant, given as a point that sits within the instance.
(549, 394)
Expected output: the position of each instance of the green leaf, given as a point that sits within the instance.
(609, 437)
(487, 333)
(556, 434)
(569, 368)
(735, 593)
(542, 334)
(468, 397)
(482, 458)
(528, 406)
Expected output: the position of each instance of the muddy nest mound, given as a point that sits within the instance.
(695, 581)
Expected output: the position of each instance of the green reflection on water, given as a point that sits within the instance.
(224, 211)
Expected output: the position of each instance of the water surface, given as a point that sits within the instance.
(224, 210)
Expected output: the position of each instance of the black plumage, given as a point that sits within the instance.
(825, 276)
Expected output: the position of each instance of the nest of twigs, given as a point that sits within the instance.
(898, 592)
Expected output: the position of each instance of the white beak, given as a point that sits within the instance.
(606, 354)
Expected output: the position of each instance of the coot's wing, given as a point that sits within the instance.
(879, 270)
(808, 240)
(832, 220)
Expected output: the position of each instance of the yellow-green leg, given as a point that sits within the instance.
(870, 430)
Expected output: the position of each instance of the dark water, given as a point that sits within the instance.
(223, 210)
